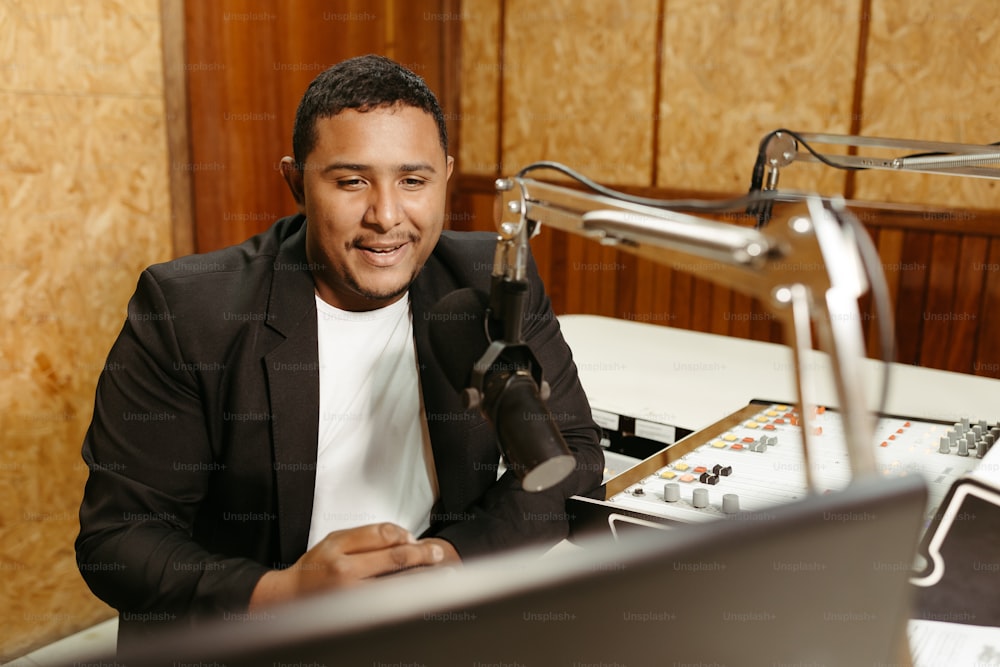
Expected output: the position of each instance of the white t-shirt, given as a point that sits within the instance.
(374, 460)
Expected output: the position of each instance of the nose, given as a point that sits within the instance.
(385, 209)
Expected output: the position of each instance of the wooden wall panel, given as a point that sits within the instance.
(986, 360)
(576, 87)
(482, 67)
(84, 183)
(930, 76)
(734, 71)
(251, 60)
(724, 74)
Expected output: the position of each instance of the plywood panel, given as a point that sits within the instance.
(930, 76)
(482, 66)
(84, 181)
(577, 89)
(734, 71)
(96, 48)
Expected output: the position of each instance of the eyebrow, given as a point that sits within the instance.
(402, 169)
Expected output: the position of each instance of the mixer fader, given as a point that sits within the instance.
(753, 460)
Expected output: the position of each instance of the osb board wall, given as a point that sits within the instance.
(577, 89)
(696, 86)
(84, 183)
(930, 75)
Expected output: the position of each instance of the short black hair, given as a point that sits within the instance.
(363, 83)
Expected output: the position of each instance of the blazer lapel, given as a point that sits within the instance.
(292, 370)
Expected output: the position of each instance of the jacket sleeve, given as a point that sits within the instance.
(507, 516)
(150, 462)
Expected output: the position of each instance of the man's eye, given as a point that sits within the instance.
(413, 182)
(350, 183)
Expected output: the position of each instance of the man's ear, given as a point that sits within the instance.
(293, 176)
(451, 165)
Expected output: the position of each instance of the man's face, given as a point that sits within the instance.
(373, 190)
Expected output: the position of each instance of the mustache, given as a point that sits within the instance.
(369, 241)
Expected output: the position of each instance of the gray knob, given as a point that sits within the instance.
(672, 492)
(700, 498)
(963, 447)
(945, 446)
(981, 449)
(730, 503)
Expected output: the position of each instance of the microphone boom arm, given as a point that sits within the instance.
(807, 271)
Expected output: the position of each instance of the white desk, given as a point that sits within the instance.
(691, 379)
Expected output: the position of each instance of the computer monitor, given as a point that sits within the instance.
(820, 582)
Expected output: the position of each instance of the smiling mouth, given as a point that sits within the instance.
(384, 255)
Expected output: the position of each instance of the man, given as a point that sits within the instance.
(273, 421)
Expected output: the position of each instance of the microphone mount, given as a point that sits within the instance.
(808, 271)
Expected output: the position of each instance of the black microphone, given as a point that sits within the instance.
(504, 381)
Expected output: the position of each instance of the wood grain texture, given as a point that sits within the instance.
(246, 78)
(930, 76)
(481, 70)
(84, 180)
(734, 71)
(576, 87)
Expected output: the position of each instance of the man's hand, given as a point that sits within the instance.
(346, 557)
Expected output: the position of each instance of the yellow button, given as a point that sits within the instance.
(680, 465)
(771, 413)
(729, 437)
(668, 474)
(762, 419)
(718, 444)
(752, 425)
(781, 408)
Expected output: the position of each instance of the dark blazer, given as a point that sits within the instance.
(202, 448)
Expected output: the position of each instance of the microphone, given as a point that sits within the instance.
(504, 381)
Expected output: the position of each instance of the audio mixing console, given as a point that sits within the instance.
(753, 460)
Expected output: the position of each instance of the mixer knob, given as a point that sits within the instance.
(945, 446)
(965, 424)
(978, 430)
(981, 449)
(639, 492)
(672, 492)
(963, 447)
(699, 498)
(730, 503)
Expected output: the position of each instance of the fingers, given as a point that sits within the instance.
(347, 556)
(395, 559)
(367, 538)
